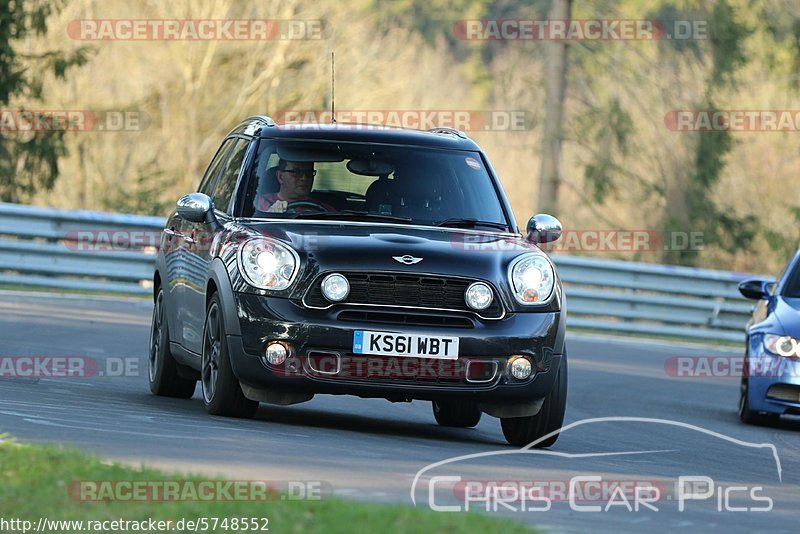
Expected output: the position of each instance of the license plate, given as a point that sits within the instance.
(394, 344)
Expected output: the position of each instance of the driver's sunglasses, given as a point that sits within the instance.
(301, 172)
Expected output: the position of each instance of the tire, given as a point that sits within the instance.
(460, 414)
(520, 431)
(752, 417)
(222, 394)
(163, 373)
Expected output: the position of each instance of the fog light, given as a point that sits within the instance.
(335, 287)
(520, 367)
(276, 353)
(478, 296)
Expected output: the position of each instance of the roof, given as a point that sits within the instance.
(358, 133)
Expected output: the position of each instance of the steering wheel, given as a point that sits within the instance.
(309, 204)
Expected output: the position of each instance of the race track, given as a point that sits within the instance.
(371, 450)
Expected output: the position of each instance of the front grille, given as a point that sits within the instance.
(408, 319)
(784, 392)
(408, 290)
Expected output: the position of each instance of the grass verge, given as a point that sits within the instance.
(37, 482)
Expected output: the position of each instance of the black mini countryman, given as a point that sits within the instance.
(356, 260)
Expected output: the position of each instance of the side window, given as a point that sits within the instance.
(227, 180)
(209, 178)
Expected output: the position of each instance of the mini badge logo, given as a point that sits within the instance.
(407, 259)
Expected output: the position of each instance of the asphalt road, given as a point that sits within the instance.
(371, 450)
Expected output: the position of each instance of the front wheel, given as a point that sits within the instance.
(165, 380)
(222, 394)
(460, 414)
(521, 431)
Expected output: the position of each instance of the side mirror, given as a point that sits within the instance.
(756, 289)
(543, 228)
(195, 207)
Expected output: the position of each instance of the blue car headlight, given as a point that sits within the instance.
(785, 346)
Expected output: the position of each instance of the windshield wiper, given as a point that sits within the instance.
(352, 215)
(471, 223)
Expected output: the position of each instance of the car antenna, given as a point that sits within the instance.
(333, 90)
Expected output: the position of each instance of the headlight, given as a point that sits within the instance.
(782, 345)
(478, 296)
(335, 287)
(268, 264)
(532, 278)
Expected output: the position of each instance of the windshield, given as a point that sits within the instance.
(792, 287)
(356, 181)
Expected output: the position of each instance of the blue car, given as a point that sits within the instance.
(771, 379)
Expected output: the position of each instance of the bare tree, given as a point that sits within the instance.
(555, 86)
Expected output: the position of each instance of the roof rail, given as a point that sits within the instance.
(449, 131)
(263, 118)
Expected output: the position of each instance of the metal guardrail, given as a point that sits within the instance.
(77, 250)
(650, 299)
(72, 250)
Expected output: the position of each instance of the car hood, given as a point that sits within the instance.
(367, 247)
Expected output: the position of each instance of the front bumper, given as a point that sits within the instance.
(485, 345)
(774, 383)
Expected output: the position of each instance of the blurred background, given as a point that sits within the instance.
(615, 161)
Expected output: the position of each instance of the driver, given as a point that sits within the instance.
(296, 178)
